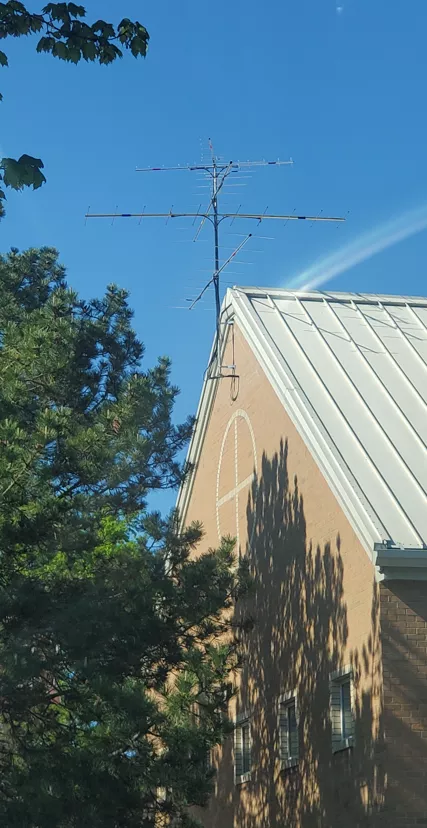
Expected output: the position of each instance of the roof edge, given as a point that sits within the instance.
(340, 296)
(203, 413)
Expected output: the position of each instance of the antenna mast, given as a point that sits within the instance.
(216, 233)
(218, 171)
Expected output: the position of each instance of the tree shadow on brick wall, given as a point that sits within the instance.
(299, 638)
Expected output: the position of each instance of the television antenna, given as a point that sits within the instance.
(217, 171)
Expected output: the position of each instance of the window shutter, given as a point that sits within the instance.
(346, 711)
(246, 747)
(242, 750)
(342, 718)
(289, 741)
(238, 751)
(336, 713)
(284, 733)
(293, 731)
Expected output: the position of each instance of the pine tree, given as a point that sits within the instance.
(115, 649)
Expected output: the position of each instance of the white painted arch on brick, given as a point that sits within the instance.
(239, 485)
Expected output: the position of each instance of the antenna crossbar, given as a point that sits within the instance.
(220, 216)
(219, 166)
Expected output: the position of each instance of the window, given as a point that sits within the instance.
(288, 731)
(242, 750)
(342, 704)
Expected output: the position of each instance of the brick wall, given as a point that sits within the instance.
(403, 607)
(315, 608)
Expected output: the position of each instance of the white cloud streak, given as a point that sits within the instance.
(361, 249)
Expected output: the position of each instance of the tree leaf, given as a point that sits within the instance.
(125, 29)
(12, 173)
(29, 159)
(3, 59)
(125, 24)
(15, 5)
(89, 50)
(105, 29)
(77, 11)
(60, 50)
(37, 178)
(142, 31)
(45, 44)
(58, 11)
(36, 23)
(26, 172)
(74, 54)
(108, 53)
(138, 46)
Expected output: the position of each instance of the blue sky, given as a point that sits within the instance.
(337, 85)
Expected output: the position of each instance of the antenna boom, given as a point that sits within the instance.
(256, 216)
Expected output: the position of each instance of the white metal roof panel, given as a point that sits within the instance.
(351, 370)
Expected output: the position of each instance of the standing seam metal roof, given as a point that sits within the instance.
(351, 370)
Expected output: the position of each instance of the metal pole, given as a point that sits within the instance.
(216, 240)
(217, 350)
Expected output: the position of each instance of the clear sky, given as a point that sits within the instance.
(339, 85)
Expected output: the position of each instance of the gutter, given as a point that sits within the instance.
(400, 562)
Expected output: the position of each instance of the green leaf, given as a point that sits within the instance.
(77, 11)
(45, 44)
(105, 29)
(15, 24)
(125, 30)
(29, 159)
(12, 173)
(58, 11)
(138, 46)
(89, 50)
(38, 179)
(125, 24)
(74, 54)
(36, 23)
(108, 53)
(3, 59)
(26, 172)
(15, 5)
(142, 31)
(60, 50)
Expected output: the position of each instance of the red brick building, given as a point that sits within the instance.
(310, 449)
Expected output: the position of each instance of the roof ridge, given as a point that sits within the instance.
(323, 294)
